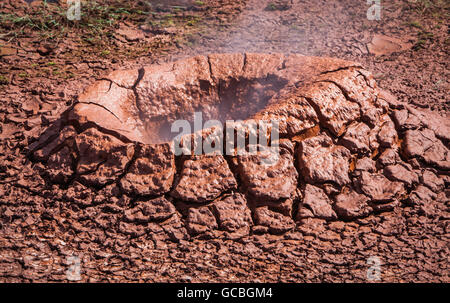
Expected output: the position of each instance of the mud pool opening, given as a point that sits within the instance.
(229, 99)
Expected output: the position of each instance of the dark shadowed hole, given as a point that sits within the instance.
(233, 99)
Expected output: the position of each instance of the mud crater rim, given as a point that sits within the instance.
(238, 100)
(348, 149)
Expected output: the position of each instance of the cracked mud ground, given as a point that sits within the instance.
(364, 175)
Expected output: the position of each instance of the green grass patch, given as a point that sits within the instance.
(415, 24)
(105, 53)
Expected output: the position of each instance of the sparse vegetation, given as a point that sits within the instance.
(105, 53)
(277, 6)
(98, 20)
(271, 7)
(97, 33)
(431, 6)
(423, 38)
(415, 24)
(3, 80)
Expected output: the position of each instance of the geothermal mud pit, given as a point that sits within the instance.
(347, 149)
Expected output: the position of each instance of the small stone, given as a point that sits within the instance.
(385, 45)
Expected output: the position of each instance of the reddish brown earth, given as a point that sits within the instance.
(360, 174)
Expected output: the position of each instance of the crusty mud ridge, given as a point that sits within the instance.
(348, 150)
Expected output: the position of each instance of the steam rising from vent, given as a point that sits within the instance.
(233, 99)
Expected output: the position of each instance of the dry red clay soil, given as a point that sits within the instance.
(360, 176)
